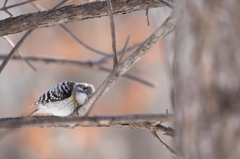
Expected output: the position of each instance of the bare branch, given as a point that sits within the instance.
(4, 63)
(72, 13)
(148, 22)
(124, 48)
(95, 121)
(72, 35)
(19, 53)
(61, 3)
(5, 3)
(4, 8)
(163, 143)
(127, 64)
(167, 4)
(140, 80)
(82, 43)
(112, 25)
(37, 6)
(89, 64)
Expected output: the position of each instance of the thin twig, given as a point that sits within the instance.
(4, 8)
(140, 80)
(82, 43)
(127, 64)
(19, 53)
(112, 25)
(89, 64)
(136, 121)
(163, 143)
(124, 48)
(5, 3)
(4, 63)
(148, 23)
(37, 6)
(61, 3)
(167, 4)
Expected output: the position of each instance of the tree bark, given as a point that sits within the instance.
(207, 79)
(72, 13)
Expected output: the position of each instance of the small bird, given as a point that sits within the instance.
(63, 98)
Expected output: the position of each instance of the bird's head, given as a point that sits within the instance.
(82, 92)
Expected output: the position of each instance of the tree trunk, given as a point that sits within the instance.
(207, 79)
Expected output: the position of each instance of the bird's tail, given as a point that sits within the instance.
(33, 113)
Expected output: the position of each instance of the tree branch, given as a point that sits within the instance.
(167, 4)
(73, 13)
(125, 121)
(69, 33)
(163, 143)
(112, 25)
(89, 64)
(4, 63)
(19, 53)
(4, 8)
(127, 64)
(124, 48)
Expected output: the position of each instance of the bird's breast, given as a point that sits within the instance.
(80, 98)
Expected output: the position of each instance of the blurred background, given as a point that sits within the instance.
(20, 86)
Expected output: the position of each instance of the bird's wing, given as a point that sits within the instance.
(59, 92)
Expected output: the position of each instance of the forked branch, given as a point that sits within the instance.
(127, 64)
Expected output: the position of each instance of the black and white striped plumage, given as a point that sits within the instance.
(63, 98)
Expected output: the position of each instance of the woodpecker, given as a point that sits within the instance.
(63, 98)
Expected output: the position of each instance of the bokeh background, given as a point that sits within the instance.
(20, 86)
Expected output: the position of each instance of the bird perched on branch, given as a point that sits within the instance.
(63, 98)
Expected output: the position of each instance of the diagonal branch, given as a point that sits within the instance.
(126, 121)
(5, 9)
(127, 64)
(124, 48)
(163, 143)
(112, 25)
(4, 63)
(73, 13)
(126, 75)
(15, 5)
(72, 35)
(82, 43)
(61, 3)
(167, 4)
(19, 53)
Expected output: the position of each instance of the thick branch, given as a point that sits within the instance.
(126, 121)
(73, 13)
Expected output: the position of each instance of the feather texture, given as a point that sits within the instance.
(59, 92)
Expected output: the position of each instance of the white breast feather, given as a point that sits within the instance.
(58, 108)
(81, 98)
